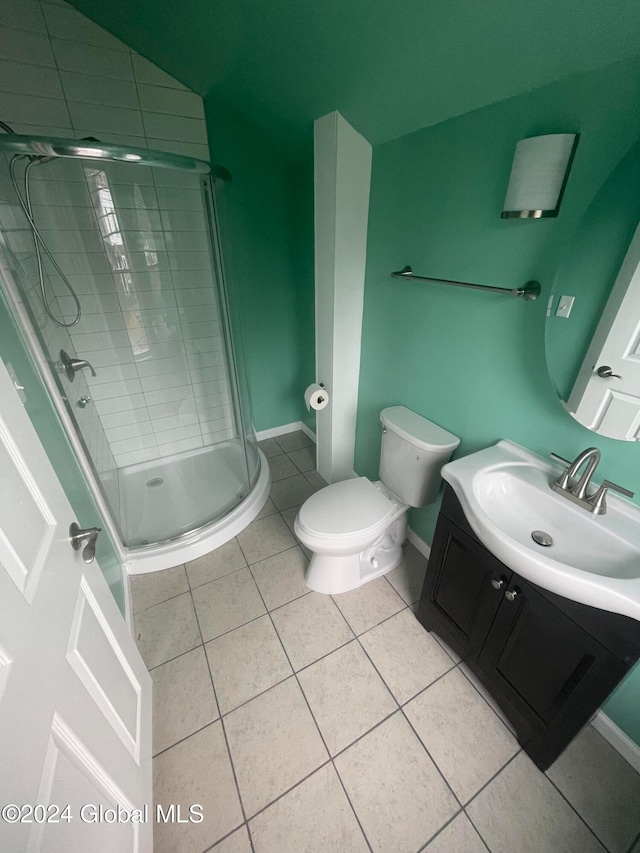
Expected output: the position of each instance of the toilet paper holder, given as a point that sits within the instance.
(316, 396)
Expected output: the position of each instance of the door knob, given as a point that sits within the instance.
(497, 583)
(89, 535)
(605, 372)
(512, 594)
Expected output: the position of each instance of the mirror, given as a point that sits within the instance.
(593, 357)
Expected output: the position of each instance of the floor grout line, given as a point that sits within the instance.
(135, 613)
(442, 828)
(402, 707)
(186, 737)
(489, 781)
(224, 731)
(381, 622)
(309, 444)
(220, 841)
(360, 737)
(469, 818)
(574, 809)
(295, 674)
(353, 809)
(273, 625)
(331, 757)
(262, 692)
(288, 791)
(493, 710)
(632, 848)
(335, 769)
(255, 562)
(220, 578)
(435, 763)
(169, 660)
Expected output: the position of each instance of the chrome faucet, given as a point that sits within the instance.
(577, 491)
(591, 456)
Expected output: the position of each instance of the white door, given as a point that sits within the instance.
(610, 405)
(75, 716)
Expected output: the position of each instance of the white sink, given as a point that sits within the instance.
(505, 494)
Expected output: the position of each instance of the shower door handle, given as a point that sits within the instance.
(89, 535)
(73, 365)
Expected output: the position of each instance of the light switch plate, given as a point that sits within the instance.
(564, 306)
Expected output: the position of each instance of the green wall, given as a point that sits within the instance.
(265, 231)
(589, 269)
(305, 278)
(54, 439)
(474, 362)
(389, 67)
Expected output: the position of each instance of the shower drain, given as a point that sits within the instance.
(155, 481)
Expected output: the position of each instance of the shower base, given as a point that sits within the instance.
(166, 505)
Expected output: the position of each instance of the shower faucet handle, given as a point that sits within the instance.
(73, 365)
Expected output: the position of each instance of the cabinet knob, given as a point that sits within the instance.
(497, 583)
(512, 594)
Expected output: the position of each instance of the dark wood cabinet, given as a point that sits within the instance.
(549, 662)
(465, 585)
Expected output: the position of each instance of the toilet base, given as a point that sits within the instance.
(332, 574)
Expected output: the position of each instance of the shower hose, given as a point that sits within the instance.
(39, 243)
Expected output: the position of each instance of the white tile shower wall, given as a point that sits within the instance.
(19, 265)
(154, 338)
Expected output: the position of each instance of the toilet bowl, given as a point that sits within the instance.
(356, 528)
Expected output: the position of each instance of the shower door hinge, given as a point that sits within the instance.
(16, 383)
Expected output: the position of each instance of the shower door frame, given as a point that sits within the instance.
(154, 556)
(208, 185)
(149, 558)
(34, 348)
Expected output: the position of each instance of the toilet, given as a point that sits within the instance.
(356, 528)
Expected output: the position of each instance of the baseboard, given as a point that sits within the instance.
(307, 431)
(418, 543)
(621, 742)
(284, 429)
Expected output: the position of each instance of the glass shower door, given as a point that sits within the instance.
(162, 419)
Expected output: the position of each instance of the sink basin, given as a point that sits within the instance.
(505, 494)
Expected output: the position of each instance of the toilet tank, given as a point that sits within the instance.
(413, 452)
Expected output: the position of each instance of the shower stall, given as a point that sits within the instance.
(111, 265)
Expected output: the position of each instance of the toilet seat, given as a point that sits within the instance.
(351, 510)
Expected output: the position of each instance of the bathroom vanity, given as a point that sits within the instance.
(549, 661)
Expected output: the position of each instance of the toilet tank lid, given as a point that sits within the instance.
(418, 430)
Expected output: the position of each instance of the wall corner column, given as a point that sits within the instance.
(342, 179)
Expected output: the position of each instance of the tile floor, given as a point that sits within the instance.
(306, 723)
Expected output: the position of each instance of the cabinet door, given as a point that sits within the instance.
(459, 600)
(552, 671)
